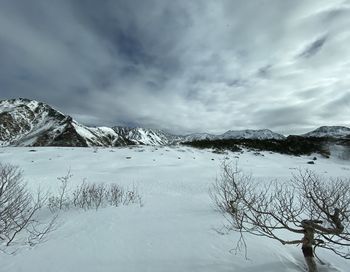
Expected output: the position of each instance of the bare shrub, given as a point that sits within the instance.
(132, 197)
(93, 196)
(61, 201)
(309, 206)
(88, 196)
(19, 208)
(115, 195)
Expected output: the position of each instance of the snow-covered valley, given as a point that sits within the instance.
(176, 229)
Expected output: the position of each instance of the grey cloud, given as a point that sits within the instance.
(184, 66)
(313, 48)
(264, 71)
(310, 93)
(287, 116)
(339, 105)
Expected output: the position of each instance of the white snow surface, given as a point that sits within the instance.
(175, 230)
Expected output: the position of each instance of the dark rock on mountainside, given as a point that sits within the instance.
(25, 122)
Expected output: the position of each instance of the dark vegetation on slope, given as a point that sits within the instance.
(292, 145)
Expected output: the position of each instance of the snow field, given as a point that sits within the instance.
(175, 230)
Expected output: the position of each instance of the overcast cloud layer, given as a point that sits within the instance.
(183, 66)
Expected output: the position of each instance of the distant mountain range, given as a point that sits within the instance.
(333, 132)
(25, 122)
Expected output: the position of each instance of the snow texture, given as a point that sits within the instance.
(175, 230)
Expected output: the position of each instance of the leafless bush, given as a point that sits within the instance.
(61, 201)
(88, 196)
(309, 206)
(132, 197)
(19, 209)
(115, 195)
(93, 196)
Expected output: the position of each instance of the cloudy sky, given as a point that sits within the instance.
(183, 66)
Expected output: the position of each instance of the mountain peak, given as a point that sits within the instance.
(259, 134)
(28, 122)
(329, 131)
(25, 122)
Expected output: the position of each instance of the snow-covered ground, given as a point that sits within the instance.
(175, 230)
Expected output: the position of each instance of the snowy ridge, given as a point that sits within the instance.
(261, 134)
(329, 131)
(25, 122)
(97, 136)
(199, 137)
(147, 136)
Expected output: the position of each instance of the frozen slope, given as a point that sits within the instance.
(329, 131)
(25, 122)
(261, 134)
(175, 230)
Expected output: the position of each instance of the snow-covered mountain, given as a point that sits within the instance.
(25, 122)
(199, 137)
(329, 131)
(147, 136)
(261, 134)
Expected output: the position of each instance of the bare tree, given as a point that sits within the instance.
(18, 208)
(316, 209)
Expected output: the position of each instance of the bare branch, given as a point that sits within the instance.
(307, 205)
(18, 208)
